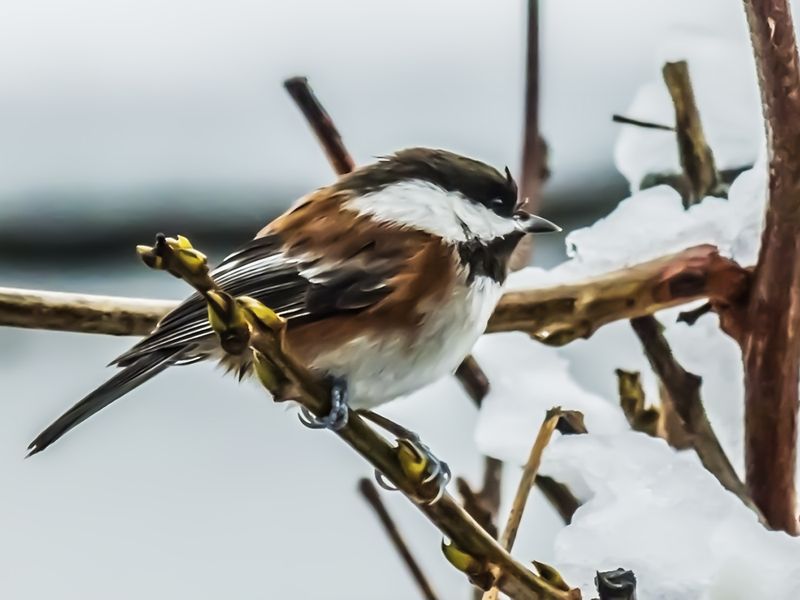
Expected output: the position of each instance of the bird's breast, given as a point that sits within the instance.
(380, 365)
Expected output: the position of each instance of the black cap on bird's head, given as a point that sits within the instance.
(475, 182)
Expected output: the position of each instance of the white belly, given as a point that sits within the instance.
(379, 370)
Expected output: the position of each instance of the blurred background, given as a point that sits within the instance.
(120, 119)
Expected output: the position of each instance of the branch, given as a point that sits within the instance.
(482, 505)
(555, 315)
(559, 496)
(370, 494)
(561, 314)
(697, 160)
(321, 123)
(534, 148)
(245, 322)
(639, 123)
(771, 346)
(84, 313)
(526, 481)
(683, 391)
(641, 417)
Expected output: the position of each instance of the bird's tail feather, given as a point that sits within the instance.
(130, 377)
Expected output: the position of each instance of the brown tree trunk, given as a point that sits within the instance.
(771, 344)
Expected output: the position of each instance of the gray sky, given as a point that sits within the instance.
(113, 95)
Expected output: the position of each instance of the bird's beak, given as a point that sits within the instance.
(532, 224)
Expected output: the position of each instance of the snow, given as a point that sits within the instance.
(648, 507)
(527, 379)
(659, 513)
(723, 78)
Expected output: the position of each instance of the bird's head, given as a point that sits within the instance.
(442, 193)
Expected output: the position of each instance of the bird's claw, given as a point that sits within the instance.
(424, 470)
(338, 415)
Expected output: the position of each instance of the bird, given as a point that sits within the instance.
(386, 279)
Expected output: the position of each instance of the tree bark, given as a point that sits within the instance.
(771, 344)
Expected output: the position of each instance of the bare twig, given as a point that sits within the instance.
(632, 401)
(529, 472)
(697, 160)
(473, 379)
(670, 426)
(319, 120)
(84, 313)
(534, 149)
(639, 123)
(690, 316)
(771, 344)
(528, 477)
(484, 504)
(684, 392)
(370, 494)
(559, 496)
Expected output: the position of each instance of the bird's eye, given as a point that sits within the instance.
(496, 203)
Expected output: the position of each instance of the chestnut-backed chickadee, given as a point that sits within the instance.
(386, 277)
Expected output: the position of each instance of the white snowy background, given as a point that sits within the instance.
(194, 487)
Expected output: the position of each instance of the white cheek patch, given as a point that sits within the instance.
(425, 206)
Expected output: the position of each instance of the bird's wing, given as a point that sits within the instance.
(299, 288)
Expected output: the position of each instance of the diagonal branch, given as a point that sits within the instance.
(526, 482)
(683, 390)
(771, 345)
(370, 494)
(471, 549)
(321, 123)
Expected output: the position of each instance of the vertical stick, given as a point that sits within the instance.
(533, 148)
(771, 345)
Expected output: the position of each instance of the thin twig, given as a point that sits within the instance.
(560, 497)
(639, 123)
(640, 417)
(771, 344)
(323, 126)
(534, 148)
(484, 504)
(690, 316)
(684, 392)
(371, 495)
(473, 380)
(526, 481)
(697, 160)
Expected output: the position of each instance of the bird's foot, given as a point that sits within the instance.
(337, 416)
(428, 474)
